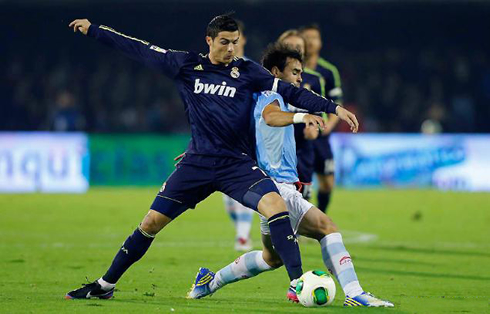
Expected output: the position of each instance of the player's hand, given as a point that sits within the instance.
(81, 25)
(348, 117)
(313, 120)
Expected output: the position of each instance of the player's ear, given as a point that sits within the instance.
(209, 40)
(275, 71)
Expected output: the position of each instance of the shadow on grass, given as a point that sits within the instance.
(420, 274)
(216, 305)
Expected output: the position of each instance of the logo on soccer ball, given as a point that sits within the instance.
(345, 259)
(234, 72)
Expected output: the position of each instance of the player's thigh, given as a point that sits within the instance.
(316, 225)
(245, 182)
(184, 188)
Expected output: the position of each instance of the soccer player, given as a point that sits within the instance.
(241, 216)
(217, 89)
(276, 155)
(324, 165)
(313, 81)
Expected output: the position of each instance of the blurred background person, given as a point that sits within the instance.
(66, 116)
(323, 162)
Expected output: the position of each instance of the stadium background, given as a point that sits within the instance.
(74, 114)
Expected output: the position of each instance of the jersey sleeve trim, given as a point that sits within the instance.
(327, 65)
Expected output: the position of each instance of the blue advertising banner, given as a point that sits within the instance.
(452, 162)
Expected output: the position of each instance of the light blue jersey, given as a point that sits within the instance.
(276, 148)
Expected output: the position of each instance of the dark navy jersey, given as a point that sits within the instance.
(218, 99)
(333, 89)
(313, 81)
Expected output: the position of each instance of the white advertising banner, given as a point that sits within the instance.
(44, 162)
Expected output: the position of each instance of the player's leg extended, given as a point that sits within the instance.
(246, 266)
(246, 182)
(242, 218)
(130, 252)
(182, 190)
(317, 225)
(326, 183)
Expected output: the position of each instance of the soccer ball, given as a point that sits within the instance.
(315, 288)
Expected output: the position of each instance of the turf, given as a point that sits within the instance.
(426, 251)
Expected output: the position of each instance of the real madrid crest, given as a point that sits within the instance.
(234, 72)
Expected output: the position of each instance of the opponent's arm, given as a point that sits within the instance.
(302, 98)
(275, 117)
(168, 61)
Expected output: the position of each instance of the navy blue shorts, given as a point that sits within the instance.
(196, 177)
(306, 157)
(323, 162)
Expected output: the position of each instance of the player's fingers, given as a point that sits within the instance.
(320, 122)
(72, 23)
(356, 123)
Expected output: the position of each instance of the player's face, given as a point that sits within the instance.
(295, 42)
(292, 72)
(222, 48)
(313, 41)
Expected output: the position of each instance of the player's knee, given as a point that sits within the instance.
(271, 204)
(324, 226)
(154, 222)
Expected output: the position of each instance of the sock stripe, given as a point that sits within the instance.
(277, 217)
(146, 234)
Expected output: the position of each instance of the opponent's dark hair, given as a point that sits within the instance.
(277, 54)
(221, 23)
(310, 26)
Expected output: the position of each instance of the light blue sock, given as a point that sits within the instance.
(246, 266)
(339, 262)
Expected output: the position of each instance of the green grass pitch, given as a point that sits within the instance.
(426, 251)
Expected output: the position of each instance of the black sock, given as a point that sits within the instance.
(285, 244)
(323, 200)
(132, 250)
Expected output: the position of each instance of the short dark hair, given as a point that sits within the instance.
(310, 26)
(221, 23)
(277, 54)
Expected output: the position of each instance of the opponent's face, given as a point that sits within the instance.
(313, 41)
(295, 42)
(222, 48)
(292, 72)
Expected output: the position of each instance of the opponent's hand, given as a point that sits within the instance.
(81, 25)
(348, 117)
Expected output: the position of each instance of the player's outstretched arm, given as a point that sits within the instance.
(275, 117)
(168, 61)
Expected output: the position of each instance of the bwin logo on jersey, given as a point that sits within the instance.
(214, 89)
